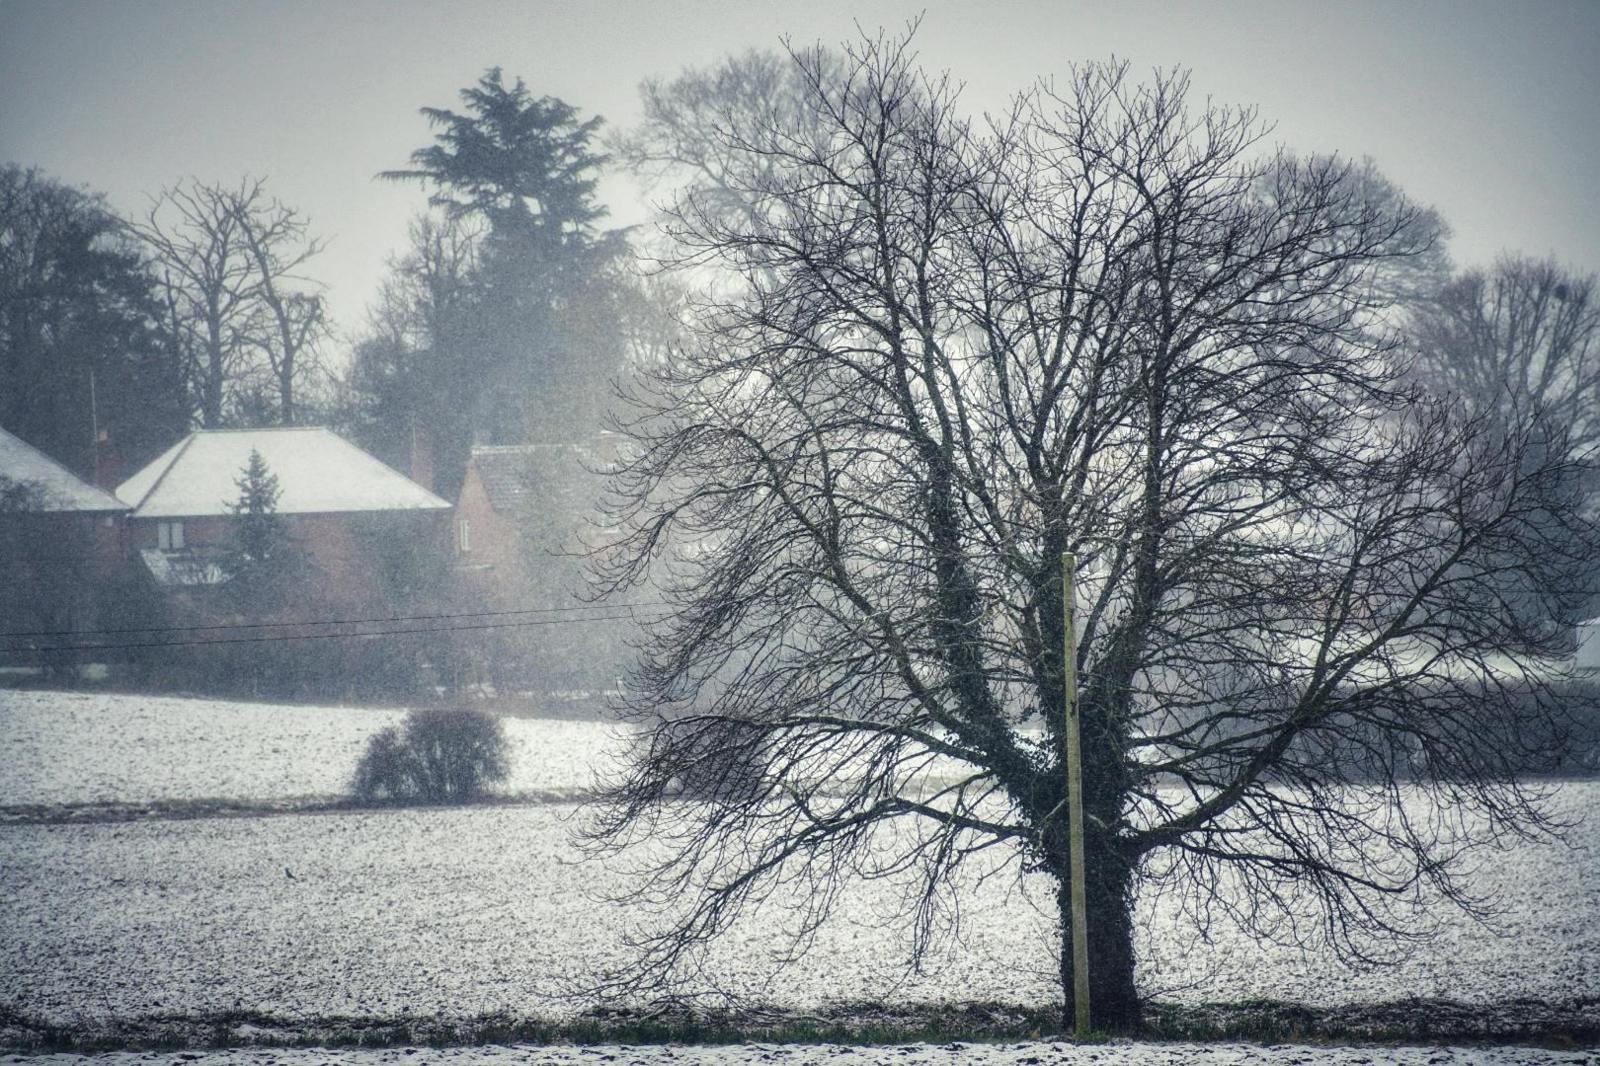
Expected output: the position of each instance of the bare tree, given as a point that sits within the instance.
(1521, 343)
(689, 137)
(939, 357)
(279, 246)
(206, 282)
(1523, 336)
(412, 375)
(235, 297)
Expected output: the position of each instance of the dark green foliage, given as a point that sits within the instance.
(263, 558)
(82, 365)
(20, 497)
(440, 756)
(385, 768)
(503, 323)
(512, 157)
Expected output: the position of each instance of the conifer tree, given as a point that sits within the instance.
(263, 550)
(547, 290)
(85, 375)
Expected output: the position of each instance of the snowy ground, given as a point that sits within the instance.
(458, 913)
(1023, 1054)
(65, 747)
(463, 912)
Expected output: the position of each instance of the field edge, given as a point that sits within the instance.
(1560, 1025)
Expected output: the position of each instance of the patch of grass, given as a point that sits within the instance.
(1517, 1021)
(866, 1023)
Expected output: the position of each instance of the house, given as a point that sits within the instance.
(345, 511)
(522, 516)
(60, 542)
(33, 483)
(523, 503)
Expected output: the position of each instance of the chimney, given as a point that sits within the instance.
(107, 464)
(421, 455)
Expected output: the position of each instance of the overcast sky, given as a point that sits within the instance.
(1489, 112)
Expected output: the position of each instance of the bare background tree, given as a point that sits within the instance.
(236, 299)
(940, 355)
(280, 246)
(688, 138)
(1521, 342)
(1526, 335)
(403, 381)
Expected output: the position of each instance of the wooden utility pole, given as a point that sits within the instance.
(1080, 902)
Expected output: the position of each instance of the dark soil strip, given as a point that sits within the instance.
(1564, 1024)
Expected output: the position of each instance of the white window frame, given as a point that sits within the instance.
(464, 536)
(169, 536)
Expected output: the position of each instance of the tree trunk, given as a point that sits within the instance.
(211, 393)
(286, 415)
(1113, 998)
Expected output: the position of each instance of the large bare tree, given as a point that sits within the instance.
(292, 318)
(939, 355)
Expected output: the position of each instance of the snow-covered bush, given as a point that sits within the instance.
(437, 756)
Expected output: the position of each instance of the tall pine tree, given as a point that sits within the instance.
(541, 334)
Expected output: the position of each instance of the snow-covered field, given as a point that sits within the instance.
(65, 747)
(468, 911)
(462, 912)
(1016, 1054)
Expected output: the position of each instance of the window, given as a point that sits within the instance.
(169, 535)
(464, 537)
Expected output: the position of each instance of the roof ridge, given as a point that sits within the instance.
(263, 429)
(156, 484)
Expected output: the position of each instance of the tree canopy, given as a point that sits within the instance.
(524, 342)
(236, 301)
(938, 354)
(520, 161)
(85, 375)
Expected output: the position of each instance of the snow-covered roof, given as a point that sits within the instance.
(59, 489)
(519, 477)
(318, 472)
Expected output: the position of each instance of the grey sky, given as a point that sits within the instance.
(1486, 111)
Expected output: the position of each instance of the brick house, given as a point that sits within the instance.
(61, 542)
(345, 510)
(521, 514)
(493, 509)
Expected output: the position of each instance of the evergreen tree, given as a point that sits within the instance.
(83, 368)
(546, 288)
(263, 551)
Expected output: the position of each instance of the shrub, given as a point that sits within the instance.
(440, 756)
(383, 772)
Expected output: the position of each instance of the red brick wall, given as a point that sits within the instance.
(339, 546)
(493, 559)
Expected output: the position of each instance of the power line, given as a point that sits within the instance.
(322, 621)
(273, 638)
